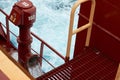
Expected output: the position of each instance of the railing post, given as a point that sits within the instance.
(90, 21)
(8, 32)
(41, 53)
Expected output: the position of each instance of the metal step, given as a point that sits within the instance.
(89, 65)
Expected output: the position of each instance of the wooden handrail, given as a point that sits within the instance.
(118, 74)
(86, 26)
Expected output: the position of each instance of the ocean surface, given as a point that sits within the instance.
(52, 24)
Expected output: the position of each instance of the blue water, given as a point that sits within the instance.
(52, 24)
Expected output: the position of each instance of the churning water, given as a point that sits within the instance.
(52, 24)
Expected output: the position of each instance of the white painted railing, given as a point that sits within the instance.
(86, 26)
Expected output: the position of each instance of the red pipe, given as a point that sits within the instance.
(23, 15)
(24, 46)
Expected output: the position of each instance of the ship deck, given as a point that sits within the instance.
(11, 71)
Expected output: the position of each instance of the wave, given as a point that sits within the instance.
(60, 4)
(6, 3)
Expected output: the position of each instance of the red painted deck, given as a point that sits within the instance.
(11, 70)
(89, 65)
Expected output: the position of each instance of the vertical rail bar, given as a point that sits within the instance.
(90, 21)
(2, 31)
(41, 53)
(8, 33)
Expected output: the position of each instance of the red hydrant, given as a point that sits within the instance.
(23, 15)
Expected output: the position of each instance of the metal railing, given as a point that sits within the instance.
(7, 27)
(86, 26)
(8, 31)
(42, 47)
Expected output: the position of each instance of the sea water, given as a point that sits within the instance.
(52, 25)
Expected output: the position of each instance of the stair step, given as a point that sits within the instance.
(86, 66)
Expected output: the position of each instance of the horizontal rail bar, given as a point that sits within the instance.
(100, 27)
(81, 28)
(48, 46)
(45, 59)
